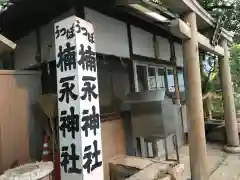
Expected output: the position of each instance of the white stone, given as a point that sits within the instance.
(31, 171)
(177, 172)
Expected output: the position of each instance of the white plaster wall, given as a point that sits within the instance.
(47, 42)
(111, 38)
(111, 35)
(179, 54)
(163, 51)
(142, 42)
(27, 46)
(25, 51)
(47, 37)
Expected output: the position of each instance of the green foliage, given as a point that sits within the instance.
(218, 104)
(235, 71)
(208, 3)
(230, 9)
(235, 63)
(209, 70)
(2, 2)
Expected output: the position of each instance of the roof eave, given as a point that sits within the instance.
(206, 20)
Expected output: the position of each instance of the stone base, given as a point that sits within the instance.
(230, 149)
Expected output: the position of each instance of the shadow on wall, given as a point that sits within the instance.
(37, 132)
(19, 90)
(35, 117)
(32, 85)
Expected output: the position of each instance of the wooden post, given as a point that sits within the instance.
(228, 99)
(176, 87)
(78, 100)
(196, 132)
(175, 75)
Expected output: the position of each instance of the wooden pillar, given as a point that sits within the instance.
(196, 132)
(173, 59)
(228, 99)
(176, 87)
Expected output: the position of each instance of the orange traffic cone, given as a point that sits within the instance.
(45, 153)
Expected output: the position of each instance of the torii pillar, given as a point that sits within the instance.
(196, 132)
(232, 145)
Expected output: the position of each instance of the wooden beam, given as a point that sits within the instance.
(204, 44)
(205, 20)
(180, 29)
(6, 44)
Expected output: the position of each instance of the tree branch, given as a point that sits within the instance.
(210, 8)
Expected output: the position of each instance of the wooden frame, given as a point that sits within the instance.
(205, 20)
(149, 64)
(182, 30)
(6, 44)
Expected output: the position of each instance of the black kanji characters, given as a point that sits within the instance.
(87, 59)
(89, 88)
(69, 33)
(91, 37)
(66, 57)
(66, 158)
(57, 32)
(91, 121)
(67, 89)
(89, 156)
(77, 27)
(84, 32)
(60, 32)
(70, 118)
(69, 122)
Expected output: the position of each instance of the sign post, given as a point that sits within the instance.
(78, 100)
